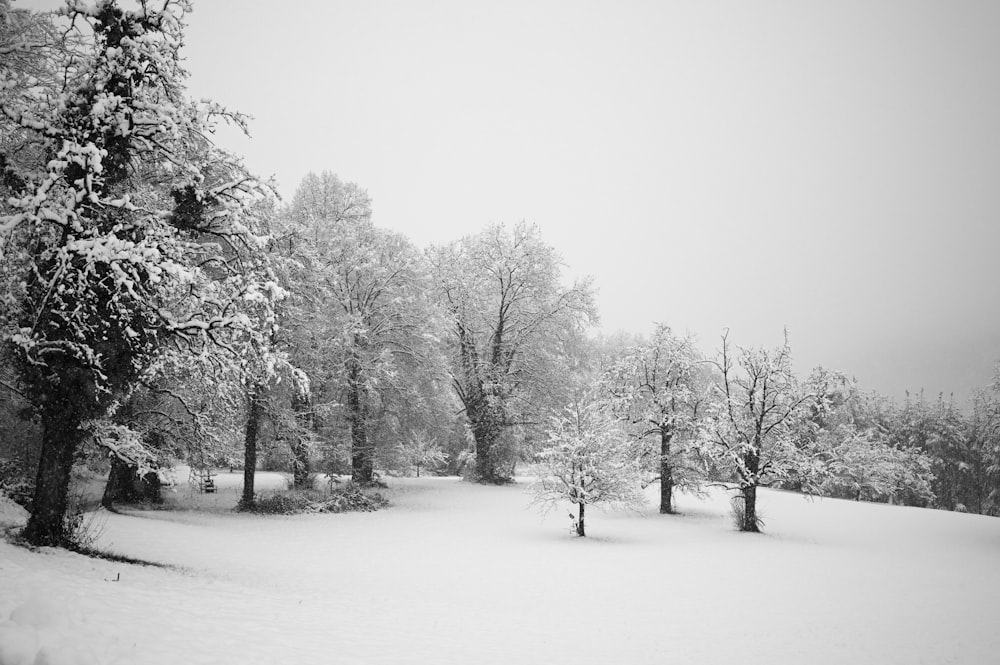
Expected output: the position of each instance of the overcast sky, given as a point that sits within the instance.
(832, 167)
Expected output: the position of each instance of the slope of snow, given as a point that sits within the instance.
(460, 573)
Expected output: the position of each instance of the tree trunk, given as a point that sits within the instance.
(486, 429)
(125, 485)
(300, 465)
(302, 407)
(250, 447)
(487, 466)
(749, 518)
(362, 455)
(666, 474)
(750, 479)
(580, 530)
(61, 437)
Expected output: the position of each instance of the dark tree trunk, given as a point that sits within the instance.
(302, 408)
(749, 517)
(666, 474)
(751, 462)
(488, 469)
(125, 485)
(486, 430)
(580, 530)
(362, 454)
(362, 451)
(250, 447)
(300, 465)
(61, 437)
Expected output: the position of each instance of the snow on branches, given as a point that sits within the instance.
(132, 232)
(136, 229)
(750, 427)
(588, 461)
(655, 389)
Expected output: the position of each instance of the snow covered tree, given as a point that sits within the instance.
(365, 328)
(751, 425)
(385, 331)
(131, 238)
(957, 445)
(508, 311)
(420, 451)
(588, 460)
(863, 465)
(654, 389)
(984, 436)
(324, 200)
(186, 409)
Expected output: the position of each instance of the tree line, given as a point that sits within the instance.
(161, 304)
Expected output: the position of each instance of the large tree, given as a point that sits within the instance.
(133, 237)
(365, 329)
(384, 335)
(508, 313)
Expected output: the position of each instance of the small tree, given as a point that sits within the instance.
(420, 450)
(751, 427)
(589, 461)
(653, 388)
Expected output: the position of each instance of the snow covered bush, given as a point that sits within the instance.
(862, 465)
(588, 461)
(346, 498)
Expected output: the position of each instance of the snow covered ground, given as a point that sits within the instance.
(461, 573)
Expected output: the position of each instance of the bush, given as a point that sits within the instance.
(15, 485)
(737, 509)
(83, 529)
(347, 498)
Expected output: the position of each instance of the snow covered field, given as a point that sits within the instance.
(460, 573)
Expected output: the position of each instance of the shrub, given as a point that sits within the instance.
(14, 484)
(737, 507)
(347, 498)
(83, 529)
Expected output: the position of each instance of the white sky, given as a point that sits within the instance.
(829, 166)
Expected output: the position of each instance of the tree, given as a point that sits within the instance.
(654, 389)
(384, 333)
(185, 408)
(323, 201)
(508, 312)
(751, 425)
(848, 437)
(863, 465)
(984, 434)
(588, 461)
(133, 238)
(420, 450)
(366, 328)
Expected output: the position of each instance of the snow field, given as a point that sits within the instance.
(461, 573)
